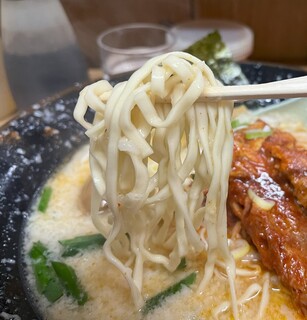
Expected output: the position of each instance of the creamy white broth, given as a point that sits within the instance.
(109, 293)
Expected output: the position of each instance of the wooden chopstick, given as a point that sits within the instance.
(290, 88)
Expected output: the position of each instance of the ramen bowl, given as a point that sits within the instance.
(32, 147)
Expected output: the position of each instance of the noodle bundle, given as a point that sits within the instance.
(160, 163)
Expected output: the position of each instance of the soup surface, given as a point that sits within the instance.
(108, 294)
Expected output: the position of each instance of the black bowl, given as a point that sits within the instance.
(32, 146)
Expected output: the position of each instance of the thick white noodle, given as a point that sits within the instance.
(154, 216)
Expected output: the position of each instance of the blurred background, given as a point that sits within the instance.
(71, 27)
(279, 26)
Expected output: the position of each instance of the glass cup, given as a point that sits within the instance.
(127, 47)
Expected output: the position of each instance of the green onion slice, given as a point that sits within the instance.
(157, 300)
(69, 280)
(44, 200)
(255, 133)
(77, 244)
(183, 264)
(265, 204)
(236, 123)
(47, 282)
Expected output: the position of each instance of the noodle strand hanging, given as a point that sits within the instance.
(161, 167)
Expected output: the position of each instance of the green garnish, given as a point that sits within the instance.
(236, 123)
(182, 264)
(47, 282)
(77, 244)
(44, 200)
(255, 134)
(70, 282)
(53, 277)
(157, 300)
(217, 56)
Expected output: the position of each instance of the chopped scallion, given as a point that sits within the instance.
(265, 204)
(182, 264)
(157, 300)
(236, 123)
(77, 244)
(255, 134)
(47, 282)
(44, 200)
(70, 282)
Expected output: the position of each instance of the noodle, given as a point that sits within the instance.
(154, 216)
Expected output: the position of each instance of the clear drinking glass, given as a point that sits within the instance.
(127, 47)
